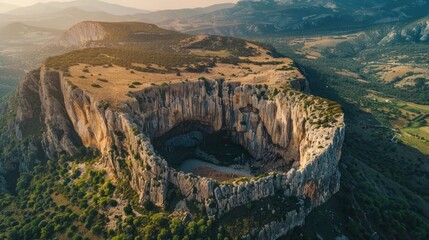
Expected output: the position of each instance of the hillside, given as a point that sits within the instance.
(107, 33)
(19, 33)
(164, 15)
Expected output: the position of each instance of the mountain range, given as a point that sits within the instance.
(86, 5)
(247, 17)
(16, 33)
(401, 21)
(284, 16)
(164, 15)
(62, 19)
(63, 15)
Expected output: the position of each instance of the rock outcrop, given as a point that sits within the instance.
(265, 121)
(416, 32)
(80, 35)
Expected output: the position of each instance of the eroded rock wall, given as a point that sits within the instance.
(261, 126)
(80, 35)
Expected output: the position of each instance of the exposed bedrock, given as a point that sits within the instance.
(304, 156)
(260, 126)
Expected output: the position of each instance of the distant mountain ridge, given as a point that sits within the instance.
(282, 16)
(62, 19)
(85, 5)
(19, 32)
(63, 15)
(164, 15)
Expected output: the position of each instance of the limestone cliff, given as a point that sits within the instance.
(278, 127)
(80, 35)
(415, 32)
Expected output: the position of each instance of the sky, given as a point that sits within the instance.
(142, 4)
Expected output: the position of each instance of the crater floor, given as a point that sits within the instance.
(191, 148)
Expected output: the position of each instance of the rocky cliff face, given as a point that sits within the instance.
(41, 105)
(416, 32)
(255, 124)
(280, 123)
(80, 35)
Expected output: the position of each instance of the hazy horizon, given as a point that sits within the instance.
(145, 5)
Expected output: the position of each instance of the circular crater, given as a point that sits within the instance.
(226, 130)
(196, 148)
(226, 144)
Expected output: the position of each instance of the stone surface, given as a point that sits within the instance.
(80, 35)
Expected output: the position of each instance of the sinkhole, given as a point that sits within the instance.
(193, 147)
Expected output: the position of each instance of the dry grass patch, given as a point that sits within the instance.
(402, 75)
(113, 84)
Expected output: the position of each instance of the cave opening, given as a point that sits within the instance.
(193, 147)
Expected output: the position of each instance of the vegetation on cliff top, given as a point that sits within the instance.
(122, 57)
(138, 32)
